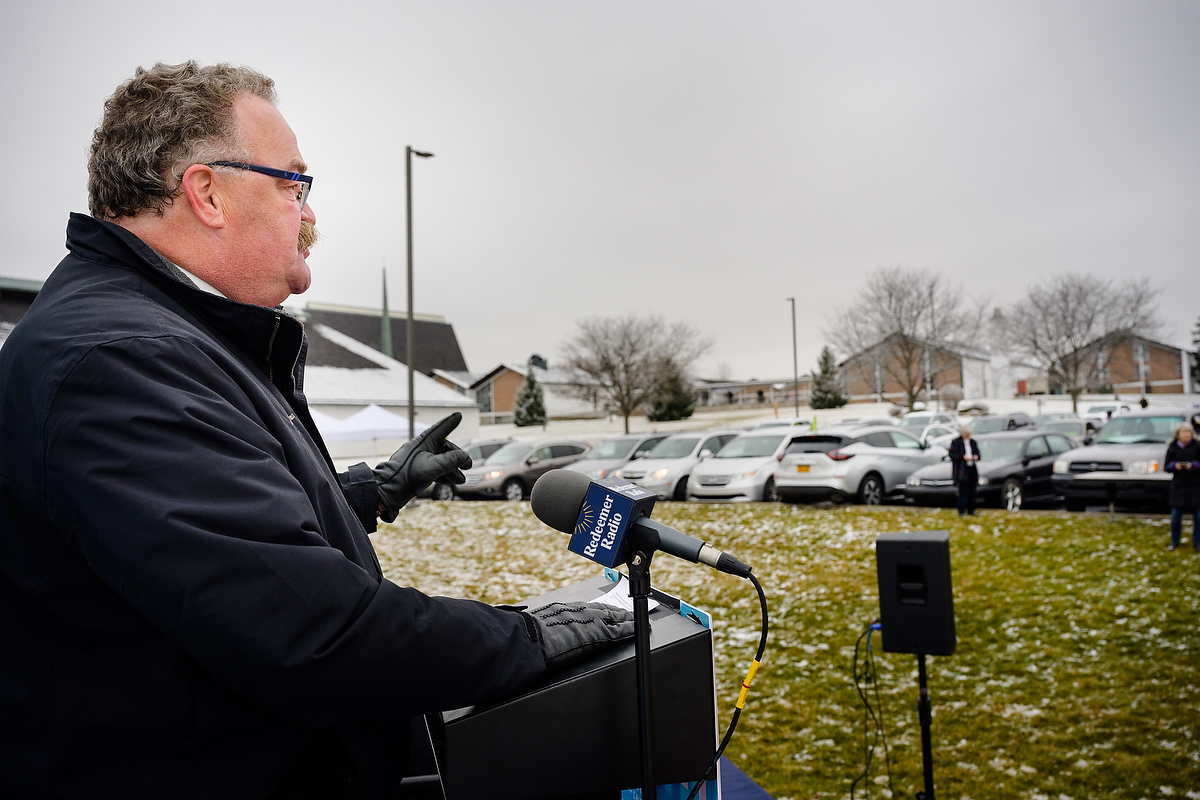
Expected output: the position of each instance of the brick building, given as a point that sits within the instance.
(882, 372)
(1129, 364)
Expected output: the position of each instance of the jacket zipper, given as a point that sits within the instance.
(271, 349)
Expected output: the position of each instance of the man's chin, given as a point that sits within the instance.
(302, 278)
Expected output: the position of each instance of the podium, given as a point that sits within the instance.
(575, 735)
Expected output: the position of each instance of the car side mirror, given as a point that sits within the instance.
(705, 453)
(532, 461)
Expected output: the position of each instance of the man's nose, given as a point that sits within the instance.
(308, 214)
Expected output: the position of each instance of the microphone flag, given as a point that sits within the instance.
(609, 509)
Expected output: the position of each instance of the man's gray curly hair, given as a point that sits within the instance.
(160, 122)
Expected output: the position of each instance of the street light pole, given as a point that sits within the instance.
(410, 334)
(795, 363)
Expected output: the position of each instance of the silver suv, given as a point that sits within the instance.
(869, 463)
(667, 468)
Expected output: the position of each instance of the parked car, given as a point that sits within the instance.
(744, 469)
(667, 469)
(936, 433)
(870, 463)
(1014, 466)
(991, 423)
(858, 422)
(511, 471)
(1082, 431)
(1123, 464)
(1104, 411)
(478, 450)
(784, 423)
(1038, 419)
(612, 453)
(918, 421)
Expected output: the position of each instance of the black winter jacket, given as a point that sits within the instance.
(959, 467)
(1185, 483)
(190, 606)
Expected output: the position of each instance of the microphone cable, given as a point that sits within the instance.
(873, 718)
(741, 701)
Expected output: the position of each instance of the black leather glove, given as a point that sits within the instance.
(569, 631)
(421, 461)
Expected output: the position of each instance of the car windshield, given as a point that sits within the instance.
(613, 448)
(1139, 430)
(509, 454)
(999, 449)
(1100, 409)
(915, 422)
(987, 425)
(674, 448)
(750, 446)
(1063, 426)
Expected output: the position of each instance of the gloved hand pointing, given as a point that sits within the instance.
(422, 460)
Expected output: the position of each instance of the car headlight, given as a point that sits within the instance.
(616, 473)
(983, 481)
(913, 481)
(596, 473)
(659, 474)
(1062, 466)
(750, 474)
(496, 473)
(1142, 467)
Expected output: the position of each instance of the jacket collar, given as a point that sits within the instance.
(270, 338)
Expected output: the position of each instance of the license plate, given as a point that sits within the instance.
(802, 468)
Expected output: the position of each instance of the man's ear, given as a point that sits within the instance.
(201, 190)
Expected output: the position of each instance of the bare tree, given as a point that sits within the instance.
(900, 322)
(1067, 324)
(623, 358)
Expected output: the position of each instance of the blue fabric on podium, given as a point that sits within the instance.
(737, 785)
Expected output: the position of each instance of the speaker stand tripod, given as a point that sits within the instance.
(925, 715)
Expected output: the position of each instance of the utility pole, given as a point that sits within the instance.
(411, 328)
(795, 363)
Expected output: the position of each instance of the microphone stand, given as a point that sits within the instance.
(639, 589)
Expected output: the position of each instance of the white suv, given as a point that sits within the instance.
(667, 469)
(869, 463)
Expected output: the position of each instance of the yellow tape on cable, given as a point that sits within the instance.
(746, 683)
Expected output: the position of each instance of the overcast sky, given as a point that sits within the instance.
(699, 160)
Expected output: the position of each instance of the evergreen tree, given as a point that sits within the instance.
(672, 397)
(827, 385)
(531, 405)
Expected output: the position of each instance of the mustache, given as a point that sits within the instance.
(308, 235)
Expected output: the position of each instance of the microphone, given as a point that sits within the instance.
(603, 517)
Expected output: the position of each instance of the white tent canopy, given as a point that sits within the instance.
(370, 424)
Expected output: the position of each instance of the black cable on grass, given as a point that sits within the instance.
(737, 711)
(873, 717)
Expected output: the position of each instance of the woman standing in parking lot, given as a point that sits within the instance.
(964, 453)
(1183, 459)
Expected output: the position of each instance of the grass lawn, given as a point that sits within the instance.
(1078, 666)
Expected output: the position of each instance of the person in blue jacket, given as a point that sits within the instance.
(190, 605)
(964, 455)
(1183, 461)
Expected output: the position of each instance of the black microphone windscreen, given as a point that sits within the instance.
(557, 498)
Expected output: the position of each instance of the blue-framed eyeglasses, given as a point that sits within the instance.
(304, 182)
